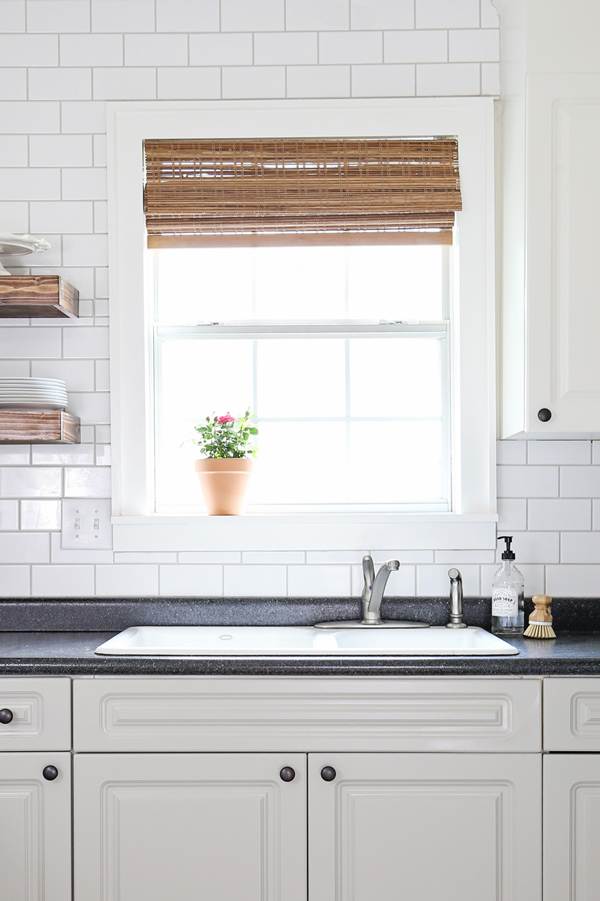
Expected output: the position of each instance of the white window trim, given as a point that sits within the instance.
(473, 325)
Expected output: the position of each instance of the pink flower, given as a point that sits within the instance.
(227, 418)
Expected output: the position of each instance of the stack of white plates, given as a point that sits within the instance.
(33, 394)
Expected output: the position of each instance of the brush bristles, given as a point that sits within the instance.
(539, 630)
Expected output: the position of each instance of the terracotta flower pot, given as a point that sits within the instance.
(224, 484)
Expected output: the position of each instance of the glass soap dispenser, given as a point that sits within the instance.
(508, 603)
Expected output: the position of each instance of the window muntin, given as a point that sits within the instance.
(353, 413)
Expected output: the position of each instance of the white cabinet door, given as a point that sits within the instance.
(35, 827)
(189, 827)
(426, 827)
(571, 827)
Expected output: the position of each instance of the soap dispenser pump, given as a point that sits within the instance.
(508, 604)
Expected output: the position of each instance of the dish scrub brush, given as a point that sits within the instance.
(540, 621)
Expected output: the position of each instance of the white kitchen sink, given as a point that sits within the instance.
(226, 641)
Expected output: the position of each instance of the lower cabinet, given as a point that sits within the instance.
(35, 826)
(222, 827)
(571, 827)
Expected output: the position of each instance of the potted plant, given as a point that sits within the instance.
(225, 468)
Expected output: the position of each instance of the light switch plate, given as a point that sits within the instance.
(86, 523)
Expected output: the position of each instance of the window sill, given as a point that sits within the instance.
(308, 532)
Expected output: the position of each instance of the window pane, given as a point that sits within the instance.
(300, 282)
(204, 285)
(301, 377)
(399, 376)
(395, 282)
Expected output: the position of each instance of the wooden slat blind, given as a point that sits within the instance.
(279, 191)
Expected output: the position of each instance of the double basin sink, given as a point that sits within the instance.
(301, 641)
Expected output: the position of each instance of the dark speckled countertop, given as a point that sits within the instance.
(58, 637)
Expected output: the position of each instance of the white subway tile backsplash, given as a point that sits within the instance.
(117, 15)
(253, 81)
(560, 514)
(513, 452)
(99, 151)
(13, 153)
(83, 116)
(29, 184)
(191, 581)
(49, 16)
(533, 547)
(490, 79)
(150, 557)
(402, 583)
(85, 250)
(189, 83)
(31, 481)
(60, 84)
(60, 150)
(441, 14)
(350, 47)
(29, 117)
(62, 581)
(103, 455)
(273, 557)
(9, 516)
(15, 581)
(222, 50)
(64, 216)
(102, 375)
(124, 84)
(434, 581)
(84, 184)
(534, 576)
(318, 81)
(103, 433)
(558, 452)
(63, 455)
(459, 558)
(90, 407)
(29, 49)
(210, 557)
(87, 481)
(187, 15)
(40, 515)
(473, 45)
(91, 50)
(580, 547)
(254, 581)
(22, 547)
(527, 481)
(512, 514)
(58, 555)
(239, 15)
(383, 81)
(13, 16)
(29, 342)
(384, 14)
(415, 47)
(573, 581)
(135, 579)
(316, 15)
(318, 581)
(156, 49)
(13, 84)
(15, 454)
(78, 374)
(285, 49)
(580, 481)
(448, 80)
(489, 14)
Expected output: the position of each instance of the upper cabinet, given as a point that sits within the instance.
(550, 127)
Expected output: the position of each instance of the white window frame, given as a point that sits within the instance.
(472, 524)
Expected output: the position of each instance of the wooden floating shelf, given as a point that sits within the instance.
(39, 427)
(37, 297)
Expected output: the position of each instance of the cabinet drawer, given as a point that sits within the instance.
(306, 714)
(572, 714)
(41, 714)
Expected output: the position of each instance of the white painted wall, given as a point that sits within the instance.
(60, 60)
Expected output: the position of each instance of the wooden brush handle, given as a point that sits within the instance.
(542, 612)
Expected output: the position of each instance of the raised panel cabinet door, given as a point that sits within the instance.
(426, 827)
(190, 827)
(35, 827)
(571, 827)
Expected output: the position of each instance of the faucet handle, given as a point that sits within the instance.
(368, 571)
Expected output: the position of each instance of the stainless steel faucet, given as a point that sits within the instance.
(456, 600)
(374, 587)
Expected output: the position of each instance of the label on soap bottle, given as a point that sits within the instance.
(505, 602)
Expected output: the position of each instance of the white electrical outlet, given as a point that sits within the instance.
(86, 523)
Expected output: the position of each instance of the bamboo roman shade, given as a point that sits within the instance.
(202, 192)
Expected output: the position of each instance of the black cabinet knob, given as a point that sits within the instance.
(544, 415)
(288, 774)
(328, 774)
(6, 716)
(50, 773)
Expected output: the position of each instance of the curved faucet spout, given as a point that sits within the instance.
(373, 595)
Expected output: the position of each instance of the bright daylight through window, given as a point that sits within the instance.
(341, 351)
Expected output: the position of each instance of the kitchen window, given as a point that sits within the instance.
(161, 344)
